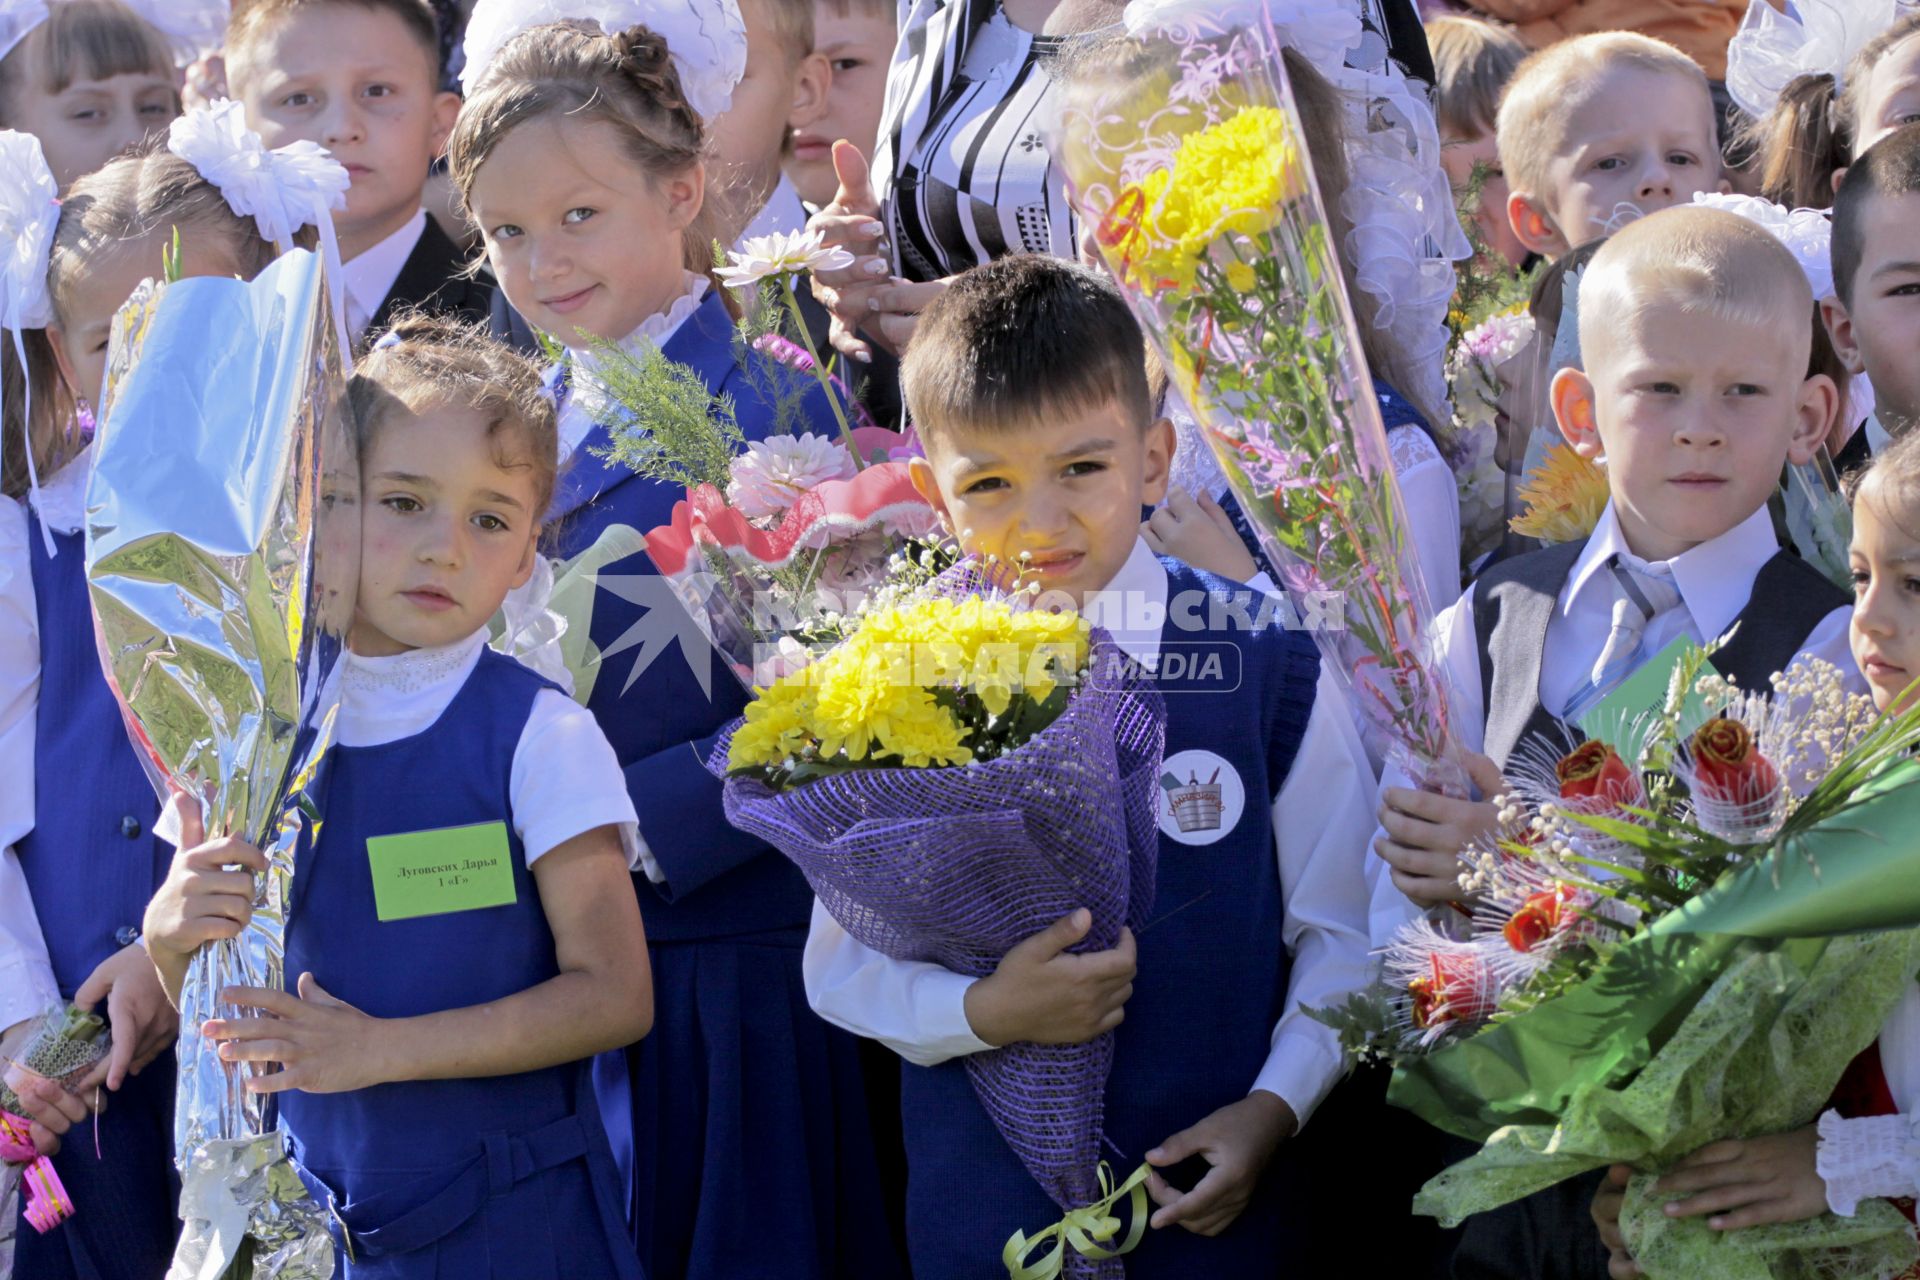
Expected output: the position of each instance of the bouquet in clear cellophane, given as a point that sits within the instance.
(1690, 924)
(222, 562)
(1183, 147)
(959, 773)
(66, 1043)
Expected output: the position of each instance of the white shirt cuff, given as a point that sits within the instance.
(1301, 1071)
(27, 989)
(1867, 1158)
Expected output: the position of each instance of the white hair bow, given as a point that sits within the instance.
(29, 212)
(707, 39)
(281, 190)
(193, 28)
(1815, 37)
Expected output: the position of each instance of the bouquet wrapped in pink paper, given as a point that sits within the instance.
(1184, 148)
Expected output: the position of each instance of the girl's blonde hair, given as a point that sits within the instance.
(626, 81)
(143, 195)
(82, 40)
(426, 362)
(1812, 129)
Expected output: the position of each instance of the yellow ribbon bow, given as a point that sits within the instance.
(1087, 1229)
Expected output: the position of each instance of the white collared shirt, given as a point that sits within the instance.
(1715, 580)
(371, 275)
(783, 213)
(26, 975)
(1320, 818)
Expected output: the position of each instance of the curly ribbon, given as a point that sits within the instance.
(1087, 1229)
(48, 1204)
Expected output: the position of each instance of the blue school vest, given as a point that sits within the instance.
(91, 860)
(508, 1177)
(1212, 971)
(647, 697)
(91, 863)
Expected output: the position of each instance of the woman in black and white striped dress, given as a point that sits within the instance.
(961, 174)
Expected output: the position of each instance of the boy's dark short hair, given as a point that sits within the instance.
(1018, 341)
(249, 17)
(1890, 167)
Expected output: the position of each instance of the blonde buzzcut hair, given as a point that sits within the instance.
(1549, 89)
(1712, 263)
(1473, 60)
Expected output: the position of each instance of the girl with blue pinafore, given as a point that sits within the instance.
(749, 1146)
(460, 926)
(91, 860)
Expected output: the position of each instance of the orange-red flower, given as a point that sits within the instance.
(1728, 766)
(1594, 770)
(1539, 917)
(1457, 988)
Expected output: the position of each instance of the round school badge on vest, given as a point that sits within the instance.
(1201, 797)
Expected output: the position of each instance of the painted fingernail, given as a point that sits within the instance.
(876, 267)
(873, 304)
(873, 229)
(864, 357)
(883, 247)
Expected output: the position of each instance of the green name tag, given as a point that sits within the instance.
(1637, 700)
(435, 873)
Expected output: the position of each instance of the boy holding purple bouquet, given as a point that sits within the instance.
(1026, 381)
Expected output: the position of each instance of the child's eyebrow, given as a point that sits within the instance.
(407, 477)
(502, 499)
(1085, 446)
(1896, 268)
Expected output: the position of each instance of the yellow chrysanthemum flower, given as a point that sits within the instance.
(1564, 497)
(874, 697)
(1235, 177)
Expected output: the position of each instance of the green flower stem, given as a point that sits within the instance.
(820, 374)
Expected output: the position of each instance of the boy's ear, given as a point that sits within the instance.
(1846, 343)
(446, 111)
(1533, 226)
(1839, 176)
(920, 471)
(810, 85)
(1156, 462)
(1819, 402)
(1572, 398)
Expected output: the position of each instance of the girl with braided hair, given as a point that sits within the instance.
(581, 155)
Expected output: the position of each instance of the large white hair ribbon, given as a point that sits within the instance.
(282, 190)
(29, 212)
(707, 39)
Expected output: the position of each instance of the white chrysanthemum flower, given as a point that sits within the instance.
(782, 253)
(774, 472)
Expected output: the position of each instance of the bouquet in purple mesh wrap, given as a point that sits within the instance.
(1002, 776)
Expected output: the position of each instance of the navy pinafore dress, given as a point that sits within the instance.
(91, 863)
(501, 1177)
